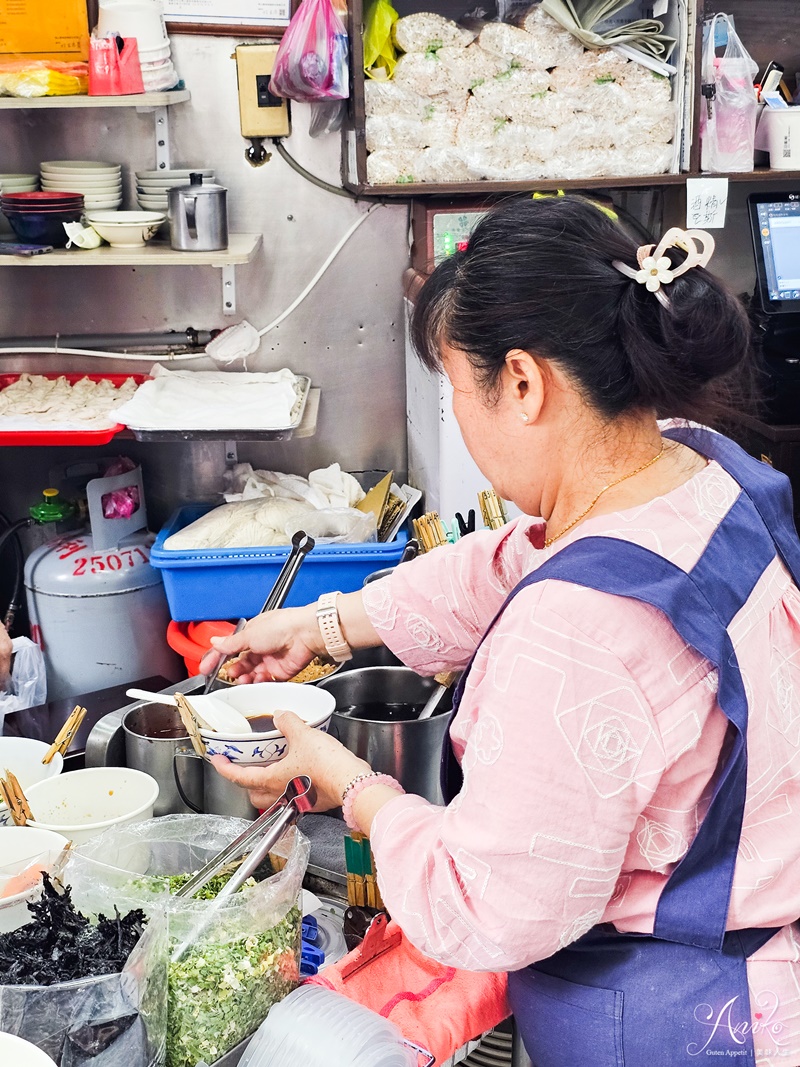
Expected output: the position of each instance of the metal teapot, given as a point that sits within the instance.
(198, 216)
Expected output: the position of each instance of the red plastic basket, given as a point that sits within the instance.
(66, 437)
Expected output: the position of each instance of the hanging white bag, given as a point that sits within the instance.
(729, 107)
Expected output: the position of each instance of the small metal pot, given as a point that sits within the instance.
(220, 797)
(374, 718)
(154, 734)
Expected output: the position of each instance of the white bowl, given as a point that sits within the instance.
(147, 203)
(23, 757)
(155, 52)
(73, 183)
(15, 1052)
(98, 203)
(126, 229)
(73, 165)
(83, 803)
(13, 177)
(21, 846)
(313, 705)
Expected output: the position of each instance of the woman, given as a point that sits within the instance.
(619, 811)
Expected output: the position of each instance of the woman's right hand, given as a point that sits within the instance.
(271, 647)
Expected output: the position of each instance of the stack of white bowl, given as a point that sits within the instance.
(144, 20)
(100, 183)
(19, 183)
(153, 186)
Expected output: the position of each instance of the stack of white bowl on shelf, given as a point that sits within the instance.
(153, 186)
(100, 183)
(144, 20)
(16, 183)
(19, 183)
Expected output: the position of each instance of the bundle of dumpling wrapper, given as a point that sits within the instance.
(213, 400)
(514, 102)
(266, 508)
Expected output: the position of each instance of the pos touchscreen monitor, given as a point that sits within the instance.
(775, 226)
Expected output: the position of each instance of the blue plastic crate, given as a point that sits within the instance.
(230, 583)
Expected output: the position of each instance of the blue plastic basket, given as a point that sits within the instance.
(230, 583)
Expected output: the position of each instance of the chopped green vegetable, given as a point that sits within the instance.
(604, 79)
(429, 112)
(433, 47)
(405, 179)
(499, 123)
(475, 83)
(539, 96)
(221, 993)
(157, 883)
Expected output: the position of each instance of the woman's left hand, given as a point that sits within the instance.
(329, 765)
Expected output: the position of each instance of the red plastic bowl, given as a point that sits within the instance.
(40, 197)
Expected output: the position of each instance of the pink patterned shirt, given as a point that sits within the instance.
(589, 735)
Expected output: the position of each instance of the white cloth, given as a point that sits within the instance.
(212, 400)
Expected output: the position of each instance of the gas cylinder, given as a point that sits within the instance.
(97, 607)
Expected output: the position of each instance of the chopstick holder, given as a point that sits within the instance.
(66, 734)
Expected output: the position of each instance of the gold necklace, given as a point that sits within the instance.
(624, 478)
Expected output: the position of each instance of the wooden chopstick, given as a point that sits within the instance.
(66, 733)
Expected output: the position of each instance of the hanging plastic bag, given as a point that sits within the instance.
(313, 58)
(237, 966)
(380, 54)
(729, 107)
(114, 67)
(27, 685)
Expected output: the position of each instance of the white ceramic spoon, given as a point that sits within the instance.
(217, 716)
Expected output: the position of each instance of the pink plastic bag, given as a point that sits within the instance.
(729, 107)
(312, 60)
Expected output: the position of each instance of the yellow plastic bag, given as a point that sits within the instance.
(380, 54)
(41, 78)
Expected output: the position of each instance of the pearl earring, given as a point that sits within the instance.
(524, 416)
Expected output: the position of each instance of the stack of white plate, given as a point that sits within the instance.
(153, 186)
(100, 183)
(19, 183)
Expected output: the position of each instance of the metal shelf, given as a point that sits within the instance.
(140, 100)
(242, 248)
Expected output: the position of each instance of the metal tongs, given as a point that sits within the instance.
(298, 798)
(302, 544)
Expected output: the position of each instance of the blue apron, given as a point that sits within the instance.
(680, 995)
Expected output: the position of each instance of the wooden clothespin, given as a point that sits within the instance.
(66, 734)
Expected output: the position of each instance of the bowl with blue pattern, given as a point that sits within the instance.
(259, 703)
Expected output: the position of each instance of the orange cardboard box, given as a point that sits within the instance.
(44, 29)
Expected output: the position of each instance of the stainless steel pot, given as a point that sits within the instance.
(374, 718)
(220, 797)
(154, 733)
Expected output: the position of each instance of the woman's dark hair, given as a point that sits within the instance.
(538, 275)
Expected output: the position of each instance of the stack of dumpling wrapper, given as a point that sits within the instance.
(514, 102)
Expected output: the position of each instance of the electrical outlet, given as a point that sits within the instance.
(261, 114)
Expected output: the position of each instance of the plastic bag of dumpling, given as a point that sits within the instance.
(232, 969)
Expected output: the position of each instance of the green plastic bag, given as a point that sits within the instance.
(380, 54)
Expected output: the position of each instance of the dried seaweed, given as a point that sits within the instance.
(60, 944)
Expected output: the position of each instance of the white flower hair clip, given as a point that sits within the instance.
(655, 267)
